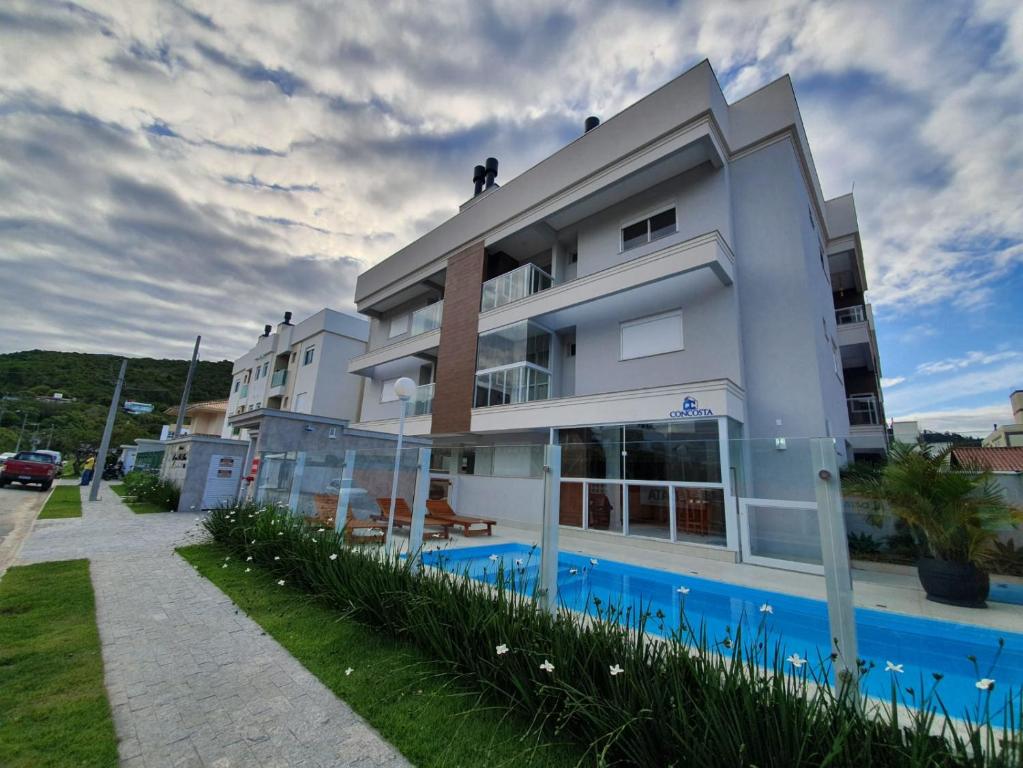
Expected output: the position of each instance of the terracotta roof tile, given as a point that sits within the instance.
(996, 459)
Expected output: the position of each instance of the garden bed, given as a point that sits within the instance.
(136, 505)
(603, 682)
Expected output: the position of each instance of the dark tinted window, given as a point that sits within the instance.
(662, 224)
(634, 235)
(30, 456)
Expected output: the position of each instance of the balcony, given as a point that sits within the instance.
(421, 403)
(243, 392)
(849, 315)
(512, 286)
(864, 411)
(279, 378)
(426, 319)
(510, 384)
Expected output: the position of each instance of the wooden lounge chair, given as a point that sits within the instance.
(441, 510)
(433, 527)
(356, 531)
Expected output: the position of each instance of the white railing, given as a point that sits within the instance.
(512, 286)
(863, 410)
(509, 384)
(849, 315)
(427, 319)
(421, 403)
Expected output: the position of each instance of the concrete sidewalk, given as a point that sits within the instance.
(192, 680)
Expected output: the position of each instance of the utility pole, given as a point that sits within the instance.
(188, 388)
(49, 438)
(101, 460)
(23, 420)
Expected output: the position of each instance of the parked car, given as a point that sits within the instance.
(4, 457)
(29, 467)
(57, 458)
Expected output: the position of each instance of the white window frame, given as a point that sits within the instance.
(308, 355)
(649, 214)
(622, 326)
(393, 328)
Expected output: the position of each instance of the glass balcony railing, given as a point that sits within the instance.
(517, 284)
(279, 378)
(864, 411)
(849, 315)
(243, 391)
(421, 403)
(427, 319)
(519, 383)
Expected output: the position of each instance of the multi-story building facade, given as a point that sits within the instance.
(301, 368)
(655, 290)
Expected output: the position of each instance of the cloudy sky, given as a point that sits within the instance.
(172, 168)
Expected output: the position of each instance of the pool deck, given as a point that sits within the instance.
(895, 590)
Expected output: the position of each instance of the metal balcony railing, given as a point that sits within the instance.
(427, 319)
(518, 383)
(864, 411)
(279, 378)
(421, 403)
(517, 284)
(849, 315)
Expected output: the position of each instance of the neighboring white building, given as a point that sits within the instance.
(668, 281)
(1009, 435)
(301, 368)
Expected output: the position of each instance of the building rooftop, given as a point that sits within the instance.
(206, 406)
(995, 459)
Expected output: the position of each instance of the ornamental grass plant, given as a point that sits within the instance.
(633, 699)
(145, 486)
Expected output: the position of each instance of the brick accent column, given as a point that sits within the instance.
(459, 329)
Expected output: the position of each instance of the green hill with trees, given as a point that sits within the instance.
(87, 383)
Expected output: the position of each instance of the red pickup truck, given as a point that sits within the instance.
(29, 467)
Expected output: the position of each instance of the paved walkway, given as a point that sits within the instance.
(192, 680)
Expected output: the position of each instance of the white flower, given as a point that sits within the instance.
(494, 558)
(796, 661)
(349, 671)
(280, 533)
(224, 565)
(319, 530)
(277, 557)
(593, 561)
(889, 667)
(248, 559)
(519, 561)
(985, 684)
(502, 649)
(228, 557)
(253, 541)
(683, 590)
(616, 670)
(766, 608)
(573, 571)
(280, 583)
(247, 570)
(547, 667)
(334, 556)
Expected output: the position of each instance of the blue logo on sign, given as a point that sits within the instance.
(690, 409)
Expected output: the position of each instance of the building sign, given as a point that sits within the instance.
(690, 409)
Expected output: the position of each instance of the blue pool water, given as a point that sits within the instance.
(922, 646)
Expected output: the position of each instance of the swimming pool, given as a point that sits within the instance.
(922, 646)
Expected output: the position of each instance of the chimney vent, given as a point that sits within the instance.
(287, 318)
(478, 174)
(267, 329)
(591, 122)
(490, 171)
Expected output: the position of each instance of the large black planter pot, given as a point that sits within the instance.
(953, 583)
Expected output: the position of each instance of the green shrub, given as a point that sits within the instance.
(679, 701)
(145, 486)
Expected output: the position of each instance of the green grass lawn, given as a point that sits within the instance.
(65, 501)
(138, 507)
(433, 721)
(53, 706)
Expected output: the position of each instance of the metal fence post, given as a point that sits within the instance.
(835, 557)
(415, 536)
(296, 483)
(344, 493)
(547, 587)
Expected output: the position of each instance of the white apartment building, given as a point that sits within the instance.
(669, 282)
(301, 368)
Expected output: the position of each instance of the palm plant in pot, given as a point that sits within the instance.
(955, 514)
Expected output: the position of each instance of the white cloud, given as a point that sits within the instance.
(891, 381)
(932, 393)
(977, 422)
(969, 359)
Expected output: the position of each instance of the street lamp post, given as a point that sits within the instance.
(21, 432)
(404, 389)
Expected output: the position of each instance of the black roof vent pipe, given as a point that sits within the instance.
(591, 122)
(478, 174)
(287, 318)
(490, 171)
(267, 329)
